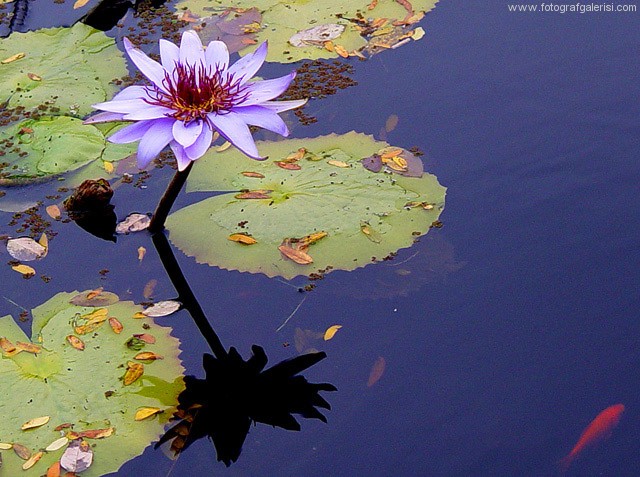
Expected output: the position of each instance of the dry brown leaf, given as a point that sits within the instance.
(28, 347)
(147, 338)
(331, 332)
(76, 342)
(377, 370)
(146, 412)
(147, 356)
(372, 5)
(254, 194)
(297, 256)
(66, 425)
(242, 238)
(21, 451)
(12, 58)
(253, 174)
(116, 326)
(36, 422)
(133, 373)
(94, 433)
(6, 345)
(54, 212)
(290, 166)
(95, 298)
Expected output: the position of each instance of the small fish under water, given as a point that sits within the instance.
(599, 430)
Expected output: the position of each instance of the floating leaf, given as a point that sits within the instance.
(71, 388)
(146, 412)
(36, 422)
(331, 332)
(133, 223)
(377, 370)
(76, 342)
(318, 198)
(95, 298)
(162, 308)
(243, 239)
(133, 373)
(26, 270)
(25, 249)
(32, 460)
(57, 444)
(78, 457)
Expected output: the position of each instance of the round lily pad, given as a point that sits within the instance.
(33, 149)
(312, 199)
(75, 371)
(66, 68)
(369, 26)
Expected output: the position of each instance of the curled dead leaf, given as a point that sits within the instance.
(34, 77)
(147, 338)
(6, 345)
(146, 412)
(133, 373)
(341, 51)
(243, 239)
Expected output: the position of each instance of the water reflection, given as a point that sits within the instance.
(235, 392)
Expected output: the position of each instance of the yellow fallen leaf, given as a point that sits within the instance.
(54, 212)
(36, 422)
(26, 270)
(44, 241)
(32, 460)
(141, 253)
(331, 332)
(417, 33)
(329, 46)
(338, 163)
(133, 373)
(108, 167)
(224, 147)
(146, 412)
(242, 238)
(12, 58)
(5, 446)
(296, 156)
(139, 315)
(80, 4)
(312, 238)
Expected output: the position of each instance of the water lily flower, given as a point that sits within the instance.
(194, 92)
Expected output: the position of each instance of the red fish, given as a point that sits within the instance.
(599, 430)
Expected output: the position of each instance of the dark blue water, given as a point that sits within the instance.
(519, 322)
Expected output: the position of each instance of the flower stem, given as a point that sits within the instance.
(167, 200)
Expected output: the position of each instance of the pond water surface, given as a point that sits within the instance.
(506, 331)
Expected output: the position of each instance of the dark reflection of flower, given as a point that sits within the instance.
(237, 393)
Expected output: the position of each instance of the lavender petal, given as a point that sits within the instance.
(131, 92)
(191, 51)
(187, 133)
(248, 65)
(264, 118)
(154, 141)
(201, 145)
(280, 106)
(266, 90)
(149, 111)
(169, 55)
(148, 67)
(235, 130)
(181, 157)
(103, 118)
(217, 55)
(125, 106)
(131, 133)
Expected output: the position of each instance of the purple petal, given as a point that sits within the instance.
(191, 51)
(131, 133)
(235, 130)
(148, 67)
(280, 106)
(181, 157)
(169, 55)
(264, 118)
(103, 118)
(248, 65)
(154, 141)
(217, 55)
(261, 91)
(149, 111)
(201, 145)
(125, 106)
(187, 133)
(131, 92)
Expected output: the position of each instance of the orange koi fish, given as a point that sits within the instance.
(599, 430)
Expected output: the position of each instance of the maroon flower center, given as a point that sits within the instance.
(192, 92)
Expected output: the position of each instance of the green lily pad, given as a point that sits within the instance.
(34, 149)
(67, 68)
(84, 387)
(364, 28)
(364, 213)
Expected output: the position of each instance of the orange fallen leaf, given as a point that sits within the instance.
(290, 166)
(147, 338)
(12, 58)
(54, 212)
(95, 433)
(76, 342)
(372, 5)
(254, 194)
(146, 412)
(54, 470)
(377, 370)
(147, 356)
(28, 347)
(133, 373)
(341, 51)
(25, 270)
(6, 345)
(116, 326)
(34, 77)
(94, 293)
(297, 256)
(242, 238)
(139, 315)
(329, 46)
(311, 239)
(331, 332)
(253, 174)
